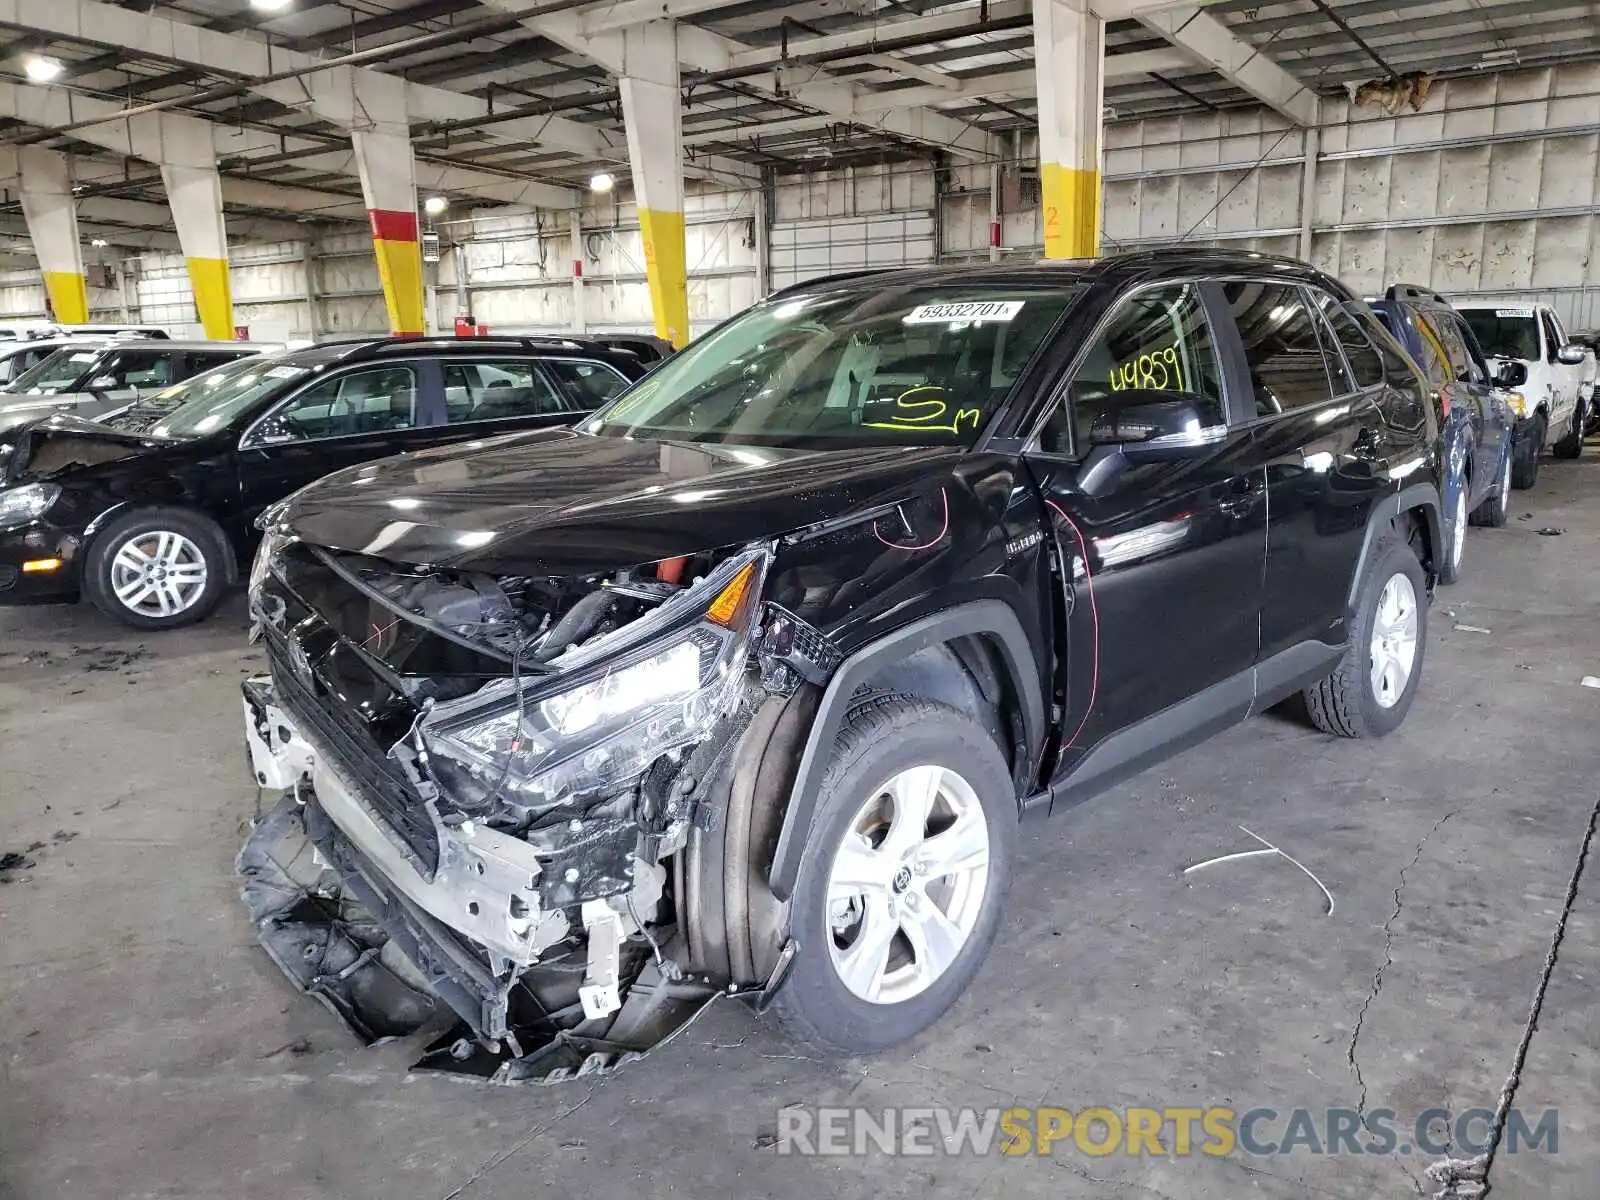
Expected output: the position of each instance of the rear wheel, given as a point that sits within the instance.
(1492, 512)
(901, 887)
(1572, 444)
(1525, 456)
(1369, 693)
(157, 569)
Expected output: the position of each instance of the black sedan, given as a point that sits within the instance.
(150, 514)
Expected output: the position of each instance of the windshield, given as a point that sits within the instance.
(60, 372)
(1505, 332)
(211, 400)
(924, 365)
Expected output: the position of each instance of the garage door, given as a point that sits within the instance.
(803, 250)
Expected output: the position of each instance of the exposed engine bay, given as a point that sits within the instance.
(488, 783)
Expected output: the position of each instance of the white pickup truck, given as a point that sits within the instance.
(1552, 401)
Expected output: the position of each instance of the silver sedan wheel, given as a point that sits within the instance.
(158, 573)
(1394, 640)
(907, 884)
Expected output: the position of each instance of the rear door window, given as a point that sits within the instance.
(496, 389)
(1366, 367)
(587, 385)
(1281, 346)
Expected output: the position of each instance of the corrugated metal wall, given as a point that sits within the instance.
(1492, 189)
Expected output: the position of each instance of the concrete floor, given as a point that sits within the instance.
(148, 1048)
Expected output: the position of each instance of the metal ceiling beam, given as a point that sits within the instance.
(618, 14)
(1236, 60)
(941, 26)
(707, 51)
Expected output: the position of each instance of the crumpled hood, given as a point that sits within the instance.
(50, 443)
(567, 503)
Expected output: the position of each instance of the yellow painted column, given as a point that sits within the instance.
(52, 219)
(194, 193)
(1069, 58)
(387, 166)
(652, 115)
(213, 300)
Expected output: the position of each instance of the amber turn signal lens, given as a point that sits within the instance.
(726, 606)
(41, 564)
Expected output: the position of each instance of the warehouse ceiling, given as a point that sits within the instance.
(965, 67)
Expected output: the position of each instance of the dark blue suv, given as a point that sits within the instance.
(1475, 422)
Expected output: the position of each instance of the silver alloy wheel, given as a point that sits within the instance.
(1458, 536)
(907, 884)
(158, 573)
(1394, 640)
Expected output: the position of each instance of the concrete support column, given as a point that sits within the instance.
(1069, 59)
(194, 194)
(388, 181)
(47, 207)
(653, 116)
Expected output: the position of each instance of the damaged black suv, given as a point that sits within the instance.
(742, 686)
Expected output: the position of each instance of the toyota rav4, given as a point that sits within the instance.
(742, 685)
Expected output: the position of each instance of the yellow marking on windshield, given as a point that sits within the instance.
(925, 415)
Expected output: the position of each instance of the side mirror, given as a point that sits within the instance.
(1150, 425)
(102, 383)
(1571, 355)
(1511, 375)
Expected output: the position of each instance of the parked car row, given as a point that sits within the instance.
(602, 689)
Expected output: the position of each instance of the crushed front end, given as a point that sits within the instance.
(485, 780)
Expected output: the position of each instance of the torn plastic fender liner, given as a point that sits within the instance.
(329, 949)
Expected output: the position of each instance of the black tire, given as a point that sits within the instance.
(1571, 445)
(1496, 505)
(1450, 561)
(1525, 457)
(1345, 704)
(144, 529)
(882, 737)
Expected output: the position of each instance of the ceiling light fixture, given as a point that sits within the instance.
(271, 6)
(41, 69)
(602, 182)
(434, 205)
(99, 242)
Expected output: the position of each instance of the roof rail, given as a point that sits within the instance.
(1413, 291)
(373, 347)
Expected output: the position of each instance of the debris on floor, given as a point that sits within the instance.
(1549, 531)
(1269, 851)
(1590, 681)
(13, 860)
(1471, 628)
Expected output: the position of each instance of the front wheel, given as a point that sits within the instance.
(157, 569)
(1370, 691)
(903, 879)
(1525, 457)
(1571, 445)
